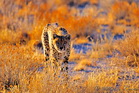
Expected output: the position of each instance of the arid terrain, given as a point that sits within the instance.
(104, 46)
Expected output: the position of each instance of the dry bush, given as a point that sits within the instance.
(8, 10)
(29, 16)
(7, 36)
(120, 10)
(102, 49)
(82, 63)
(76, 26)
(17, 63)
(94, 1)
(74, 56)
(129, 47)
(21, 71)
(72, 25)
(43, 82)
(118, 29)
(125, 13)
(129, 86)
(103, 81)
(11, 37)
(82, 26)
(108, 81)
(134, 14)
(81, 40)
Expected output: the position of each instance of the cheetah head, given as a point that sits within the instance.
(61, 43)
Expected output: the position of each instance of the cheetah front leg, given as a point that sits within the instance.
(54, 63)
(54, 66)
(45, 43)
(64, 69)
(65, 61)
(65, 64)
(46, 48)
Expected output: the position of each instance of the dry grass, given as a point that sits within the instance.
(19, 72)
(113, 63)
(9, 36)
(104, 81)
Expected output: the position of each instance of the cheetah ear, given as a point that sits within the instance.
(57, 24)
(55, 36)
(48, 25)
(62, 29)
(68, 37)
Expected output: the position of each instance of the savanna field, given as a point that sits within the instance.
(104, 46)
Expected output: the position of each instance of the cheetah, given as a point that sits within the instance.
(56, 45)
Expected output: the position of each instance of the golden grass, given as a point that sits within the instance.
(104, 81)
(9, 36)
(19, 63)
(19, 72)
(16, 64)
(130, 43)
(23, 59)
(81, 40)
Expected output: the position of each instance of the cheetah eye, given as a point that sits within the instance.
(65, 42)
(48, 24)
(58, 43)
(56, 24)
(55, 36)
(61, 29)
